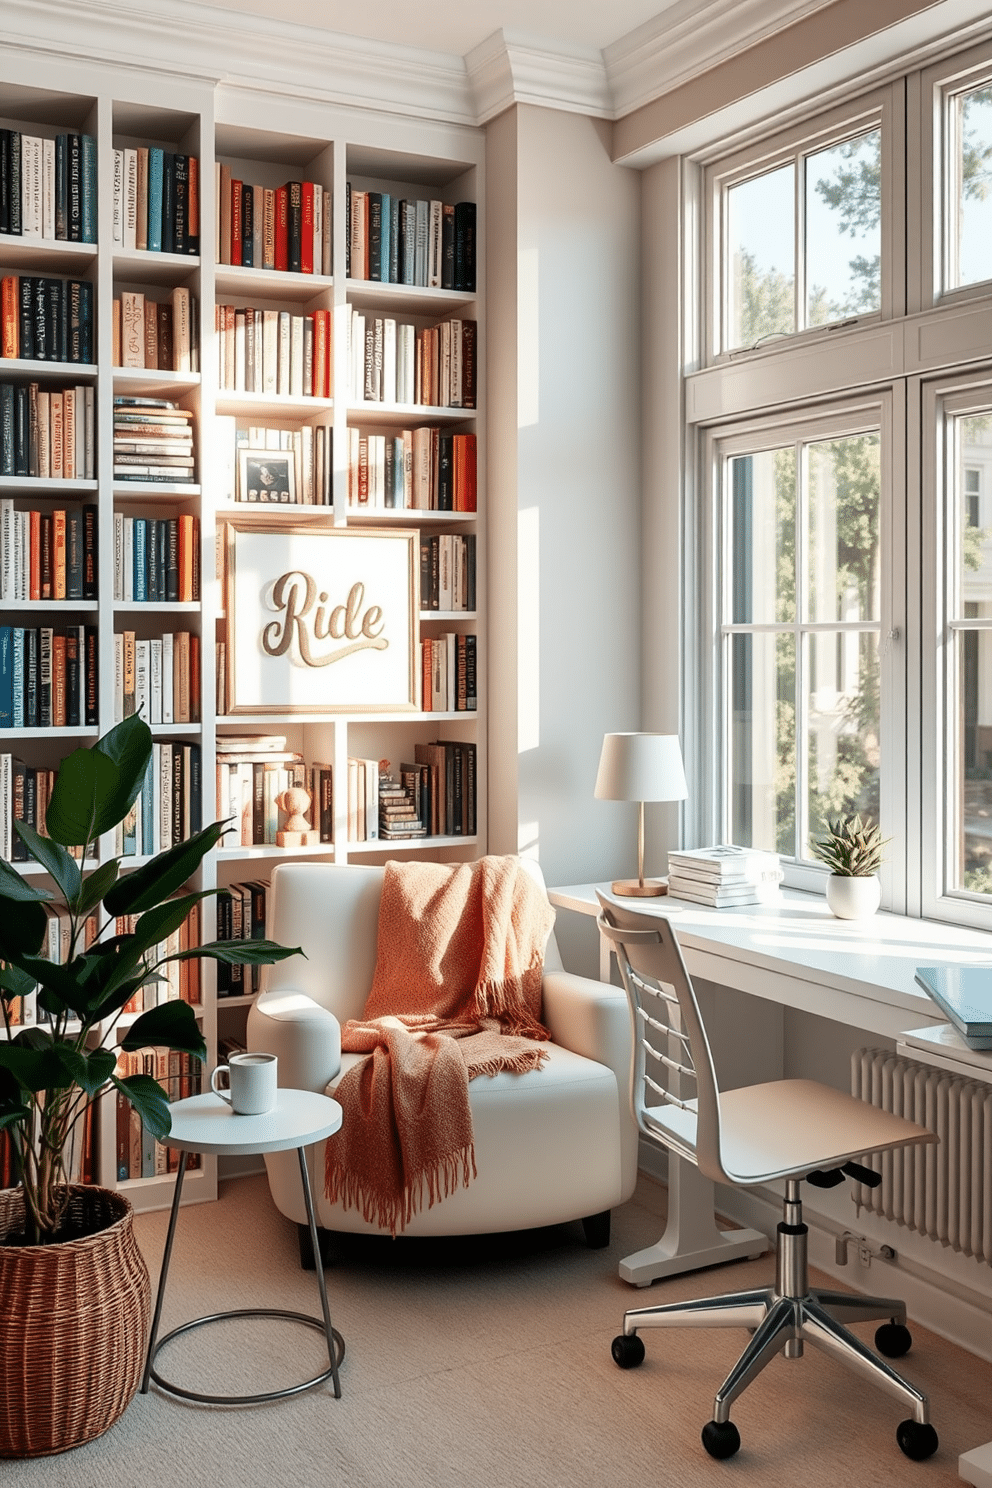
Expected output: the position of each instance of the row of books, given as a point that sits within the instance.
(48, 186)
(396, 240)
(447, 571)
(241, 910)
(724, 875)
(138, 1155)
(57, 937)
(48, 555)
(48, 676)
(283, 227)
(153, 440)
(160, 334)
(424, 469)
(281, 466)
(249, 782)
(158, 677)
(46, 320)
(156, 559)
(25, 791)
(393, 361)
(156, 200)
(273, 351)
(444, 774)
(47, 433)
(449, 673)
(178, 980)
(80, 1152)
(169, 808)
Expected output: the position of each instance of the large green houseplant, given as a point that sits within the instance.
(49, 1073)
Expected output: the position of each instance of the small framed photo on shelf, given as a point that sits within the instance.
(321, 621)
(266, 475)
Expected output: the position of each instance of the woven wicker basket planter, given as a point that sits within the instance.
(73, 1325)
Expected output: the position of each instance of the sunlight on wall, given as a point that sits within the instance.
(528, 359)
(528, 629)
(529, 840)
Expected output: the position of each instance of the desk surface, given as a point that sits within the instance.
(795, 952)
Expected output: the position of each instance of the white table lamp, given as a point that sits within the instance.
(640, 767)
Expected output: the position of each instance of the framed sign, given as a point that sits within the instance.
(321, 620)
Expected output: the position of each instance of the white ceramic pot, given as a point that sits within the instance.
(853, 898)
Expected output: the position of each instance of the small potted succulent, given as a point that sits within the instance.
(852, 850)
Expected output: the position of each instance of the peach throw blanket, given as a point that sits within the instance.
(456, 993)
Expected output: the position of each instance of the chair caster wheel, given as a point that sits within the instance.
(627, 1350)
(916, 1440)
(722, 1439)
(893, 1340)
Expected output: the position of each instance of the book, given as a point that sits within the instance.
(726, 864)
(964, 995)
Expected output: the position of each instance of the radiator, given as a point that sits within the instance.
(942, 1190)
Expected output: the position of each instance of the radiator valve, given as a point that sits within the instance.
(866, 1250)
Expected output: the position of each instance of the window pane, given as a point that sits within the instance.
(974, 856)
(843, 715)
(761, 245)
(763, 741)
(975, 527)
(843, 506)
(844, 229)
(974, 187)
(763, 537)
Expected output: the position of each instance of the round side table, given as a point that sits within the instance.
(206, 1123)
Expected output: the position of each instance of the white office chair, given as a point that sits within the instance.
(787, 1129)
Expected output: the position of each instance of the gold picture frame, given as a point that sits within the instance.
(321, 620)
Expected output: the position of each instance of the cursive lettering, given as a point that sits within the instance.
(303, 616)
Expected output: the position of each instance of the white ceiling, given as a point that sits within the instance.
(456, 26)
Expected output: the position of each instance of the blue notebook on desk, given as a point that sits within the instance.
(963, 994)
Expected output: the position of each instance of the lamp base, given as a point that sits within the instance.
(633, 888)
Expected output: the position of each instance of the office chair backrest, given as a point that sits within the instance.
(656, 982)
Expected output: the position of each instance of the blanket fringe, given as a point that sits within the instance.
(438, 1181)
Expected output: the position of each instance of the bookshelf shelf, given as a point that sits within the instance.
(293, 139)
(34, 485)
(55, 256)
(233, 279)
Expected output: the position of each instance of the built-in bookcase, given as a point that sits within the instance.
(333, 151)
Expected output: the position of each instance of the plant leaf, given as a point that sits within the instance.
(149, 1100)
(97, 885)
(14, 982)
(154, 925)
(33, 1069)
(240, 952)
(149, 885)
(13, 886)
(22, 928)
(171, 1025)
(129, 746)
(87, 780)
(53, 857)
(89, 1071)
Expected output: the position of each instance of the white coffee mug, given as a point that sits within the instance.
(248, 1083)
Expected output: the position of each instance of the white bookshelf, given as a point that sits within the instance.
(301, 140)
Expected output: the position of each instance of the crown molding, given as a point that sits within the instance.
(208, 43)
(510, 67)
(687, 38)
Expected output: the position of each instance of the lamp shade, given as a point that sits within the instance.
(641, 767)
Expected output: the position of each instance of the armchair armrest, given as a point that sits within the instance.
(593, 1019)
(305, 1037)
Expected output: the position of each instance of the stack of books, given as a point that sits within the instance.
(153, 440)
(724, 875)
(963, 994)
(399, 811)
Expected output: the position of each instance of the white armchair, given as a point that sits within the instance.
(552, 1145)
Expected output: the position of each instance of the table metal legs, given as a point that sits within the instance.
(335, 1343)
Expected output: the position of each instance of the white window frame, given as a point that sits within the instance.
(939, 85)
(717, 446)
(944, 401)
(882, 108)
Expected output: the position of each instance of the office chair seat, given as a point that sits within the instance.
(784, 1130)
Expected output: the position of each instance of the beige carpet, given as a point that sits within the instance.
(488, 1363)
